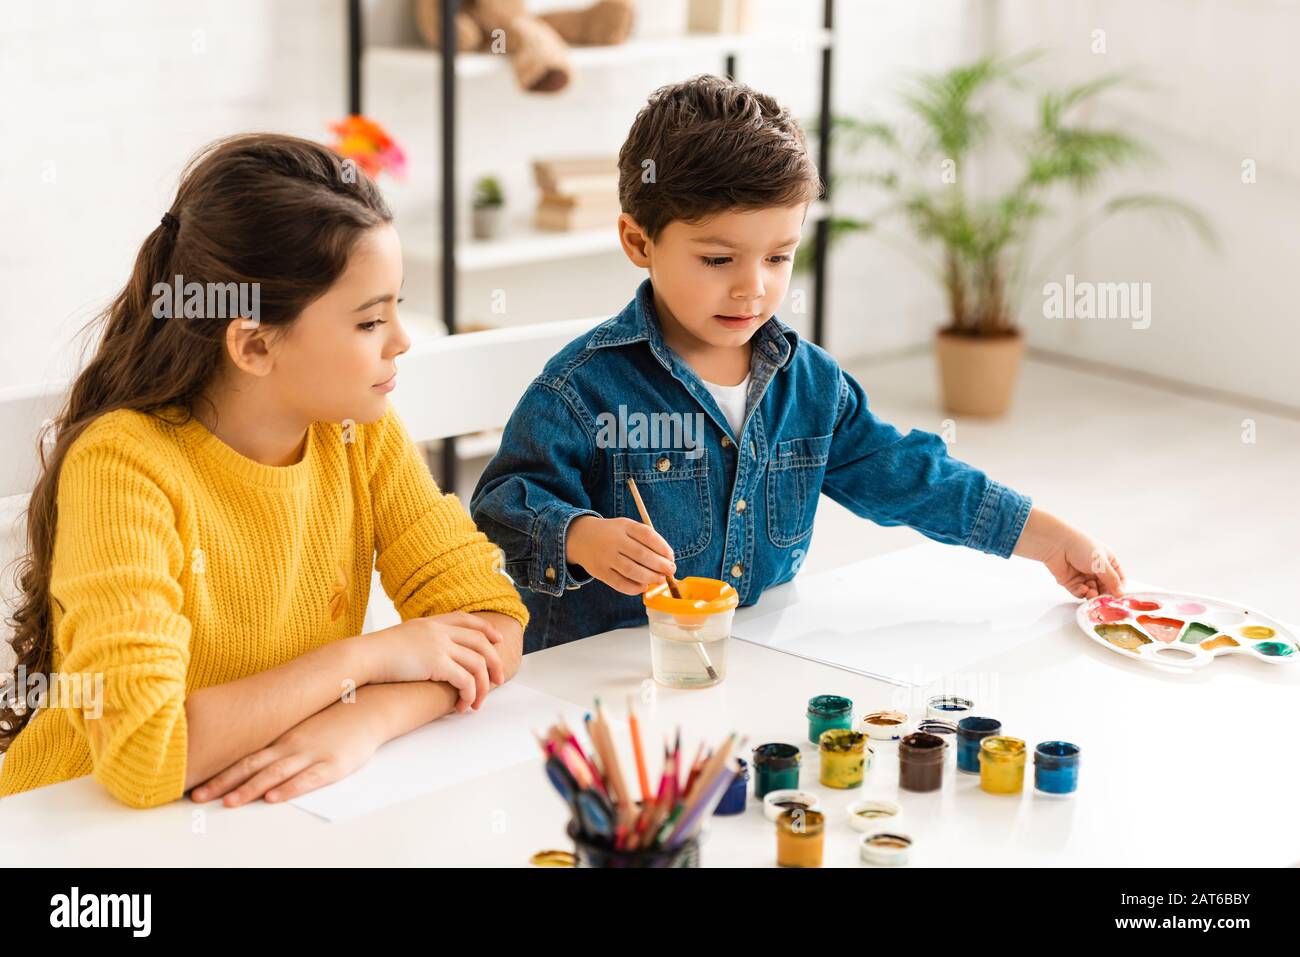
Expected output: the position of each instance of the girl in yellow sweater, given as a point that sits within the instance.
(224, 472)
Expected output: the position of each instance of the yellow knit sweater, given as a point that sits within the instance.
(181, 564)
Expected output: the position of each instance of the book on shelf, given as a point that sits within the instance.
(576, 174)
(565, 218)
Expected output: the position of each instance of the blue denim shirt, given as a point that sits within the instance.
(735, 507)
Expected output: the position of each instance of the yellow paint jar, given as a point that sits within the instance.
(1002, 765)
(844, 758)
(800, 838)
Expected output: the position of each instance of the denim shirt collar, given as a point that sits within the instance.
(774, 342)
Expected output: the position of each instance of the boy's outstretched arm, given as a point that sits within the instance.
(1080, 563)
(894, 479)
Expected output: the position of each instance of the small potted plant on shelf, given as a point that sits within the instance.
(489, 207)
(983, 238)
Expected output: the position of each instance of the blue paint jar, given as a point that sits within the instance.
(776, 768)
(827, 711)
(970, 732)
(733, 799)
(1056, 767)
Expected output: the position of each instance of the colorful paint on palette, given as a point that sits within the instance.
(1123, 636)
(1137, 604)
(1198, 632)
(1203, 629)
(1275, 649)
(1107, 613)
(1162, 629)
(1223, 641)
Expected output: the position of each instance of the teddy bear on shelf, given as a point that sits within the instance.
(538, 44)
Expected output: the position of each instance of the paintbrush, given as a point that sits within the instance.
(674, 586)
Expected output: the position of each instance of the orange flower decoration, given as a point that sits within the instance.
(368, 144)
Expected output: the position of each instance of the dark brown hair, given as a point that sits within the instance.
(707, 144)
(278, 211)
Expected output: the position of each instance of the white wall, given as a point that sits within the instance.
(105, 102)
(1223, 87)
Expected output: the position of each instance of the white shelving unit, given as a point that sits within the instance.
(525, 244)
(424, 236)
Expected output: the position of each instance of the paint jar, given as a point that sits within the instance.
(885, 725)
(920, 762)
(776, 768)
(800, 838)
(946, 730)
(733, 799)
(776, 803)
(844, 758)
(873, 815)
(827, 711)
(949, 707)
(970, 732)
(688, 635)
(1056, 767)
(593, 852)
(889, 848)
(1002, 765)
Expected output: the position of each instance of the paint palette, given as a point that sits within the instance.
(1184, 631)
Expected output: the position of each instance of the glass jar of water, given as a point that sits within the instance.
(688, 635)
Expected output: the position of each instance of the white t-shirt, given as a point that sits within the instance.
(731, 400)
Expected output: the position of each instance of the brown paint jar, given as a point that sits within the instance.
(920, 761)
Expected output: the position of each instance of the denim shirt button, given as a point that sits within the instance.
(550, 573)
(740, 506)
(663, 465)
(737, 570)
(726, 442)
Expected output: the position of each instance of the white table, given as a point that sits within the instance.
(1182, 769)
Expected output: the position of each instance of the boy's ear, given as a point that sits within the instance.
(249, 346)
(634, 240)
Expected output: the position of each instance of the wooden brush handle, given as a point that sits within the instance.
(674, 586)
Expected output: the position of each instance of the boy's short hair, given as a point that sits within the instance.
(708, 144)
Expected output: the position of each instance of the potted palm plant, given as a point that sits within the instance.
(982, 239)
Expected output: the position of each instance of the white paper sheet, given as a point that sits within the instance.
(917, 614)
(452, 749)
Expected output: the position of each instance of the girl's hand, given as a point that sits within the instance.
(1079, 563)
(458, 648)
(626, 555)
(329, 745)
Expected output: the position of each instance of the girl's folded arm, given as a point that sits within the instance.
(116, 574)
(431, 558)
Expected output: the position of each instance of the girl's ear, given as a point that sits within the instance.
(635, 242)
(249, 346)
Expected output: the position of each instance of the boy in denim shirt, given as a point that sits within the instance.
(730, 424)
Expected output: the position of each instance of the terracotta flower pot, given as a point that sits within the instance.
(978, 375)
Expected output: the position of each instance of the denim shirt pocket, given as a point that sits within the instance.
(794, 483)
(675, 488)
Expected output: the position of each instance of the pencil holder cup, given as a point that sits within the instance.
(688, 635)
(592, 852)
